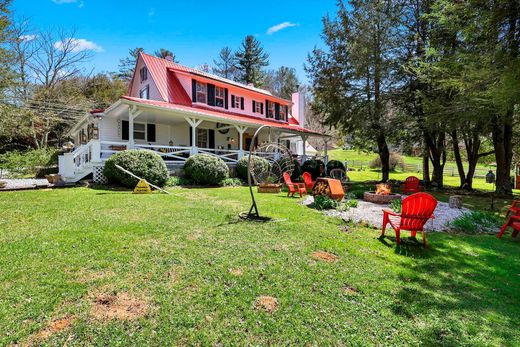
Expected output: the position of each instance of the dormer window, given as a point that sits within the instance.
(202, 92)
(270, 109)
(283, 112)
(237, 102)
(220, 96)
(258, 107)
(144, 73)
(145, 92)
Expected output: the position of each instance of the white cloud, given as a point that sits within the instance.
(28, 37)
(281, 26)
(59, 2)
(79, 45)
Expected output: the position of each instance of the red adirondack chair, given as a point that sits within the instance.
(513, 221)
(293, 187)
(412, 185)
(416, 210)
(307, 178)
(514, 209)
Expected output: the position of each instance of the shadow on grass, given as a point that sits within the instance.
(469, 283)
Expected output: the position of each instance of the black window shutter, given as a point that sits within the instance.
(261, 108)
(253, 106)
(242, 103)
(267, 108)
(124, 130)
(191, 137)
(193, 90)
(211, 138)
(150, 132)
(211, 94)
(226, 99)
(287, 113)
(232, 101)
(276, 110)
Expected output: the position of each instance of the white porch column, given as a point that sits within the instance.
(326, 158)
(276, 140)
(304, 154)
(133, 112)
(95, 151)
(241, 130)
(194, 123)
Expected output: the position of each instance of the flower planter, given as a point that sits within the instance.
(269, 188)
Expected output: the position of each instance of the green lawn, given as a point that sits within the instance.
(195, 271)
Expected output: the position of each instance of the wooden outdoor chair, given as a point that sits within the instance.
(513, 221)
(412, 185)
(416, 210)
(293, 187)
(307, 179)
(514, 209)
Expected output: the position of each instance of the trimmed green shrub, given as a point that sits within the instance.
(259, 165)
(145, 164)
(175, 181)
(335, 164)
(312, 166)
(206, 169)
(231, 182)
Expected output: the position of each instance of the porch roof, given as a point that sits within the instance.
(221, 115)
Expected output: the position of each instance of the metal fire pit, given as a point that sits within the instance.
(380, 198)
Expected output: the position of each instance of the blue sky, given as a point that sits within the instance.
(194, 30)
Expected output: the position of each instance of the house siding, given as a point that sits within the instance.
(137, 85)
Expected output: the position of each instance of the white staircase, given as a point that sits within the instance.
(77, 165)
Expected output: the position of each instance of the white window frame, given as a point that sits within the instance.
(220, 96)
(283, 115)
(271, 109)
(258, 107)
(201, 92)
(205, 133)
(145, 92)
(238, 102)
(139, 131)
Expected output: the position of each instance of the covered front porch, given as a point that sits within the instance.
(175, 135)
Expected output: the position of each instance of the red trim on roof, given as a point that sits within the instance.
(293, 120)
(98, 110)
(176, 91)
(221, 114)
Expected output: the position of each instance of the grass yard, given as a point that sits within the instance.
(102, 267)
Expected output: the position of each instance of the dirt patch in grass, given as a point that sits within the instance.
(121, 306)
(195, 235)
(267, 304)
(324, 256)
(55, 327)
(236, 272)
(349, 290)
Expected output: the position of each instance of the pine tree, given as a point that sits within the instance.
(250, 60)
(225, 64)
(164, 53)
(282, 82)
(127, 65)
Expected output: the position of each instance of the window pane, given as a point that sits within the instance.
(139, 127)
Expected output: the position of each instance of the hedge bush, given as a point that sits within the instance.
(312, 166)
(335, 164)
(145, 164)
(259, 164)
(34, 162)
(206, 169)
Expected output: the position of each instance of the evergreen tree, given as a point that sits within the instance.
(355, 77)
(282, 82)
(250, 60)
(127, 65)
(163, 53)
(225, 64)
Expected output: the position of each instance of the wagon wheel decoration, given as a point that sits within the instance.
(280, 160)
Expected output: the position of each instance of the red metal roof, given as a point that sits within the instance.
(293, 121)
(159, 67)
(176, 92)
(222, 114)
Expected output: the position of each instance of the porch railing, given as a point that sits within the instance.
(170, 154)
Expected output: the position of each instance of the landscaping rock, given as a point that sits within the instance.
(455, 201)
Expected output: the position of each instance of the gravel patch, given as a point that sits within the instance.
(25, 183)
(372, 214)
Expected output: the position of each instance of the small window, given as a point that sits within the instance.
(202, 93)
(270, 110)
(144, 74)
(220, 95)
(145, 92)
(202, 138)
(237, 101)
(258, 107)
(139, 131)
(283, 115)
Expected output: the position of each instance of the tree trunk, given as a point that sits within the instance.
(384, 155)
(502, 142)
(437, 154)
(458, 158)
(426, 168)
